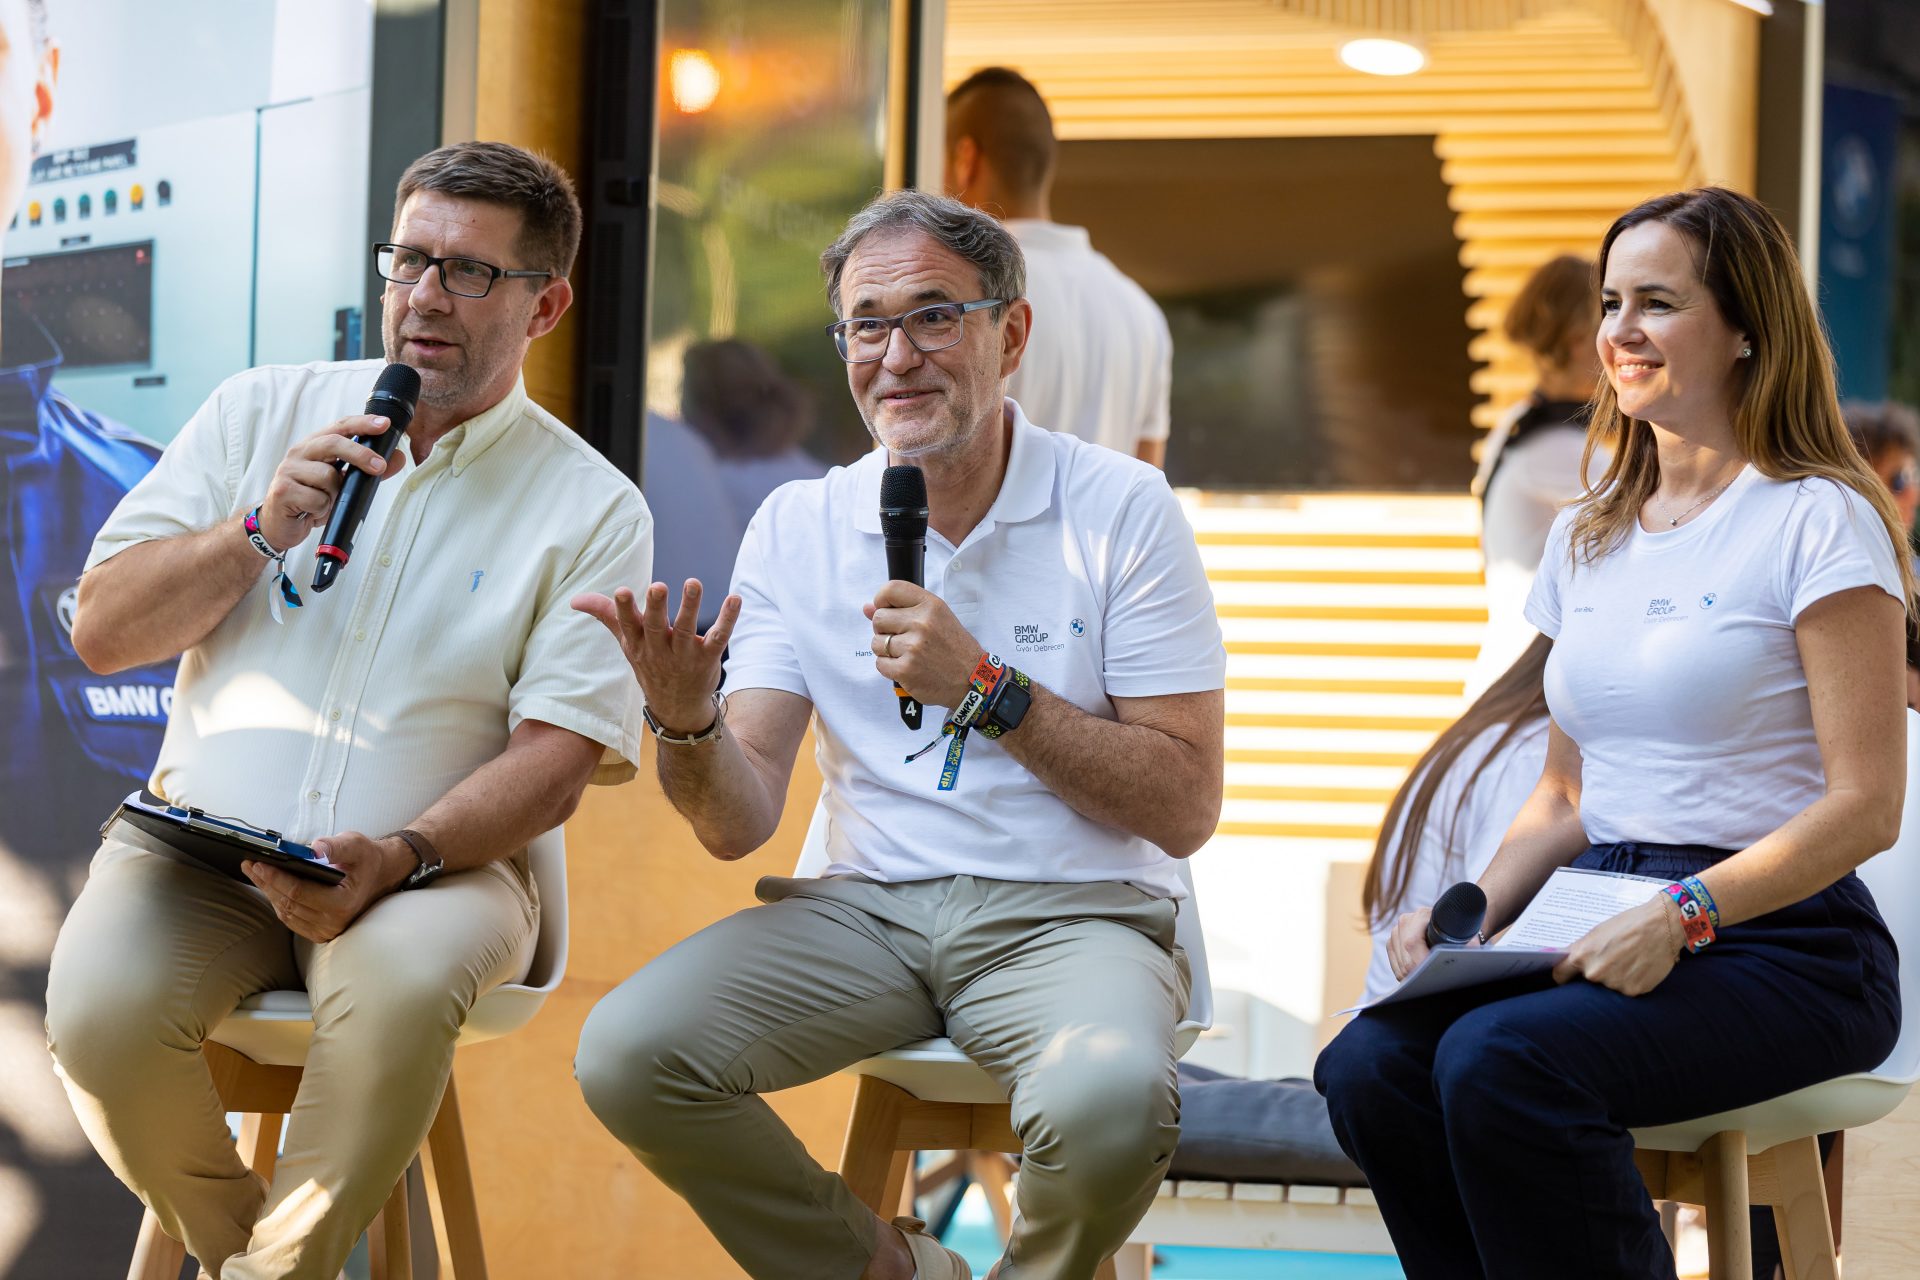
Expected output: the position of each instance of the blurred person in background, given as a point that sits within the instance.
(752, 416)
(1100, 361)
(1888, 437)
(1450, 814)
(1530, 466)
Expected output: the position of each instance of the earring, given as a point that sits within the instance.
(1746, 352)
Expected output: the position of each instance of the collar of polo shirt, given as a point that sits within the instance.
(1025, 490)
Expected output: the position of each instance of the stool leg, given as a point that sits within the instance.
(449, 1179)
(1800, 1213)
(390, 1244)
(1729, 1239)
(156, 1255)
(866, 1160)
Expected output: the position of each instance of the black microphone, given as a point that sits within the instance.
(1457, 916)
(903, 524)
(393, 399)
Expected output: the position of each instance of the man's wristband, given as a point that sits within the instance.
(663, 734)
(288, 595)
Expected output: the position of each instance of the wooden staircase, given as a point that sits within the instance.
(1350, 622)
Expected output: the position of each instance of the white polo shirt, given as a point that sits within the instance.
(1083, 574)
(449, 627)
(1099, 363)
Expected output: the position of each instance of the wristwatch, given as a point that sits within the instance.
(1009, 705)
(431, 863)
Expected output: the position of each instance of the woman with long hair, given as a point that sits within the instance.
(1460, 797)
(1727, 719)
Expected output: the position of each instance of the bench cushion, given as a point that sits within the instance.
(1234, 1130)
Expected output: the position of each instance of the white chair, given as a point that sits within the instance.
(929, 1096)
(256, 1056)
(1769, 1153)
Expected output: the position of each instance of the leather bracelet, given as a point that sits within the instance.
(707, 734)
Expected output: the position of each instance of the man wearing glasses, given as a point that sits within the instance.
(417, 725)
(1014, 887)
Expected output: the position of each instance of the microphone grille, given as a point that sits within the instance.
(903, 487)
(398, 382)
(1460, 911)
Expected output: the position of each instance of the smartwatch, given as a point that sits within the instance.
(1009, 706)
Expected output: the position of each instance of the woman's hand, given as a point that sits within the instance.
(1407, 944)
(1631, 953)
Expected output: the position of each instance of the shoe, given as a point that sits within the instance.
(931, 1259)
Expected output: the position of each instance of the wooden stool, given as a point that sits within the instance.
(264, 1095)
(889, 1124)
(1725, 1181)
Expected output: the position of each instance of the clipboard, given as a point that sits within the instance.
(221, 844)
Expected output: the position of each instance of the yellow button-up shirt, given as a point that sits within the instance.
(449, 627)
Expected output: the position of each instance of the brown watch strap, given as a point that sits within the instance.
(430, 860)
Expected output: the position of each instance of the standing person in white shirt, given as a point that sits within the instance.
(1447, 819)
(1017, 890)
(1099, 363)
(1531, 465)
(1727, 719)
(418, 725)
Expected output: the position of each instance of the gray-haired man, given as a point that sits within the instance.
(1014, 888)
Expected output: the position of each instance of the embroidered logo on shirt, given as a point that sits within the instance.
(66, 607)
(1660, 607)
(1706, 601)
(1078, 627)
(477, 575)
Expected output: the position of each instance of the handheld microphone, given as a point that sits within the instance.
(903, 524)
(393, 399)
(1457, 916)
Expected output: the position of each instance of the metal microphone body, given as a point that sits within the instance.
(903, 527)
(1457, 915)
(393, 398)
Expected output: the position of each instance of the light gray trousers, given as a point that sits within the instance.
(1066, 993)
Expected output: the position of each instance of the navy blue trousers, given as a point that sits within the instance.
(1492, 1122)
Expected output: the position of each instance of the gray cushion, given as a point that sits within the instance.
(1234, 1130)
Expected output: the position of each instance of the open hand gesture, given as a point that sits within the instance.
(677, 667)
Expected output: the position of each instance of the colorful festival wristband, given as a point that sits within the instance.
(1705, 899)
(1693, 917)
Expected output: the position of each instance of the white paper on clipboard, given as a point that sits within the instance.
(1567, 907)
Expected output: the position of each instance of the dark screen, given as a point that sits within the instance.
(97, 304)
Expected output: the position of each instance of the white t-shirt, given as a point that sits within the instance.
(1099, 363)
(1083, 574)
(1459, 841)
(1674, 664)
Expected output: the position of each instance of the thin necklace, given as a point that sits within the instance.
(1673, 520)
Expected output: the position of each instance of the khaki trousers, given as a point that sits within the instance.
(1066, 993)
(158, 950)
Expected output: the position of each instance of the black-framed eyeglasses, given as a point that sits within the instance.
(466, 277)
(862, 339)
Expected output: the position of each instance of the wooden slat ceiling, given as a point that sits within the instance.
(1550, 117)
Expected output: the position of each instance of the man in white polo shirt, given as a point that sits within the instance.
(1013, 888)
(418, 724)
(1099, 362)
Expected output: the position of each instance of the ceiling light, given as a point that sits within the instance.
(1379, 57)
